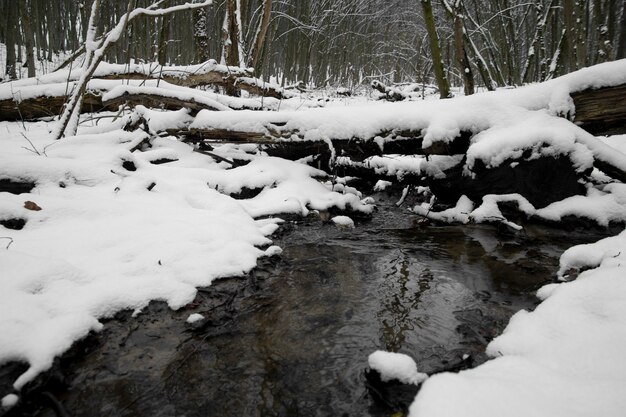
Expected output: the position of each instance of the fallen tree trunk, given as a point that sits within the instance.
(261, 88)
(160, 98)
(390, 94)
(601, 111)
(96, 99)
(46, 106)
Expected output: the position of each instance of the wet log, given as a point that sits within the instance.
(601, 111)
(50, 106)
(541, 181)
(46, 106)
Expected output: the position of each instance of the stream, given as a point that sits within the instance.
(292, 338)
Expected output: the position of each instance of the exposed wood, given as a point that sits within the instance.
(253, 86)
(46, 106)
(601, 111)
(541, 181)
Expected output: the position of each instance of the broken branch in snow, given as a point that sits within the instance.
(390, 94)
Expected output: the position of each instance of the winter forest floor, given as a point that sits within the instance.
(281, 279)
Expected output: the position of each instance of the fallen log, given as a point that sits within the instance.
(46, 106)
(541, 181)
(50, 103)
(160, 98)
(601, 111)
(390, 94)
(261, 88)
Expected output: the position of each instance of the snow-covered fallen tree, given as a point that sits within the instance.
(513, 141)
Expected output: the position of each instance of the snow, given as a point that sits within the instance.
(603, 204)
(381, 185)
(457, 214)
(398, 366)
(565, 358)
(343, 221)
(400, 165)
(9, 400)
(195, 317)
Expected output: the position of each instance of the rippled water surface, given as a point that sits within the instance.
(292, 339)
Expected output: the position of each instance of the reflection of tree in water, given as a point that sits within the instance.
(400, 295)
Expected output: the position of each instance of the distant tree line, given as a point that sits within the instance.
(328, 42)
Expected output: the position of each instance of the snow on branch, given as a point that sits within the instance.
(72, 110)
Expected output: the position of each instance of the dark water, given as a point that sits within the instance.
(292, 339)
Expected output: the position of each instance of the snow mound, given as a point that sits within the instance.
(9, 400)
(343, 221)
(398, 366)
(195, 317)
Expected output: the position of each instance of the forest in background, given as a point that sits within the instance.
(339, 43)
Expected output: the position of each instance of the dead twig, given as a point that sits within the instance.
(10, 241)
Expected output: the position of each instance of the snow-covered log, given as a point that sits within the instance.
(160, 98)
(45, 106)
(389, 93)
(262, 88)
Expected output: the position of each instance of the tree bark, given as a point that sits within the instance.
(261, 34)
(164, 36)
(11, 14)
(620, 53)
(231, 42)
(435, 48)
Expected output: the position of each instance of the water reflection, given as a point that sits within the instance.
(401, 288)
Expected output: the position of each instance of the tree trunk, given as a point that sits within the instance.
(201, 34)
(435, 48)
(11, 14)
(620, 53)
(28, 37)
(231, 41)
(164, 36)
(261, 33)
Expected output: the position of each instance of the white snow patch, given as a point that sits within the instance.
(194, 318)
(273, 251)
(398, 366)
(343, 221)
(9, 400)
(381, 185)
